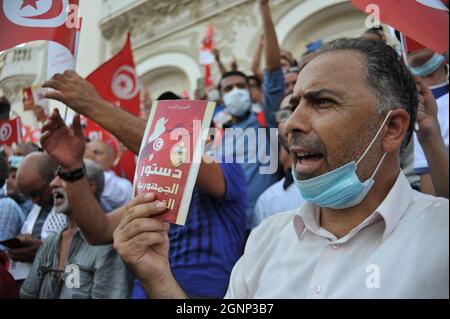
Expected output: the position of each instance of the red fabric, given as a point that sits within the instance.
(8, 286)
(424, 21)
(261, 119)
(117, 82)
(208, 45)
(10, 131)
(29, 20)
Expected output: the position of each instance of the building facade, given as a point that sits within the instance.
(167, 36)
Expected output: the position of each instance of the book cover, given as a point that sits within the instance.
(171, 152)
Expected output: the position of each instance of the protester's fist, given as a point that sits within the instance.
(66, 145)
(73, 91)
(427, 125)
(142, 241)
(28, 252)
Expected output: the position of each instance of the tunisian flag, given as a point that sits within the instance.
(10, 132)
(29, 20)
(424, 21)
(117, 82)
(206, 55)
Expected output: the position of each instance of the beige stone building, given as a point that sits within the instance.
(167, 36)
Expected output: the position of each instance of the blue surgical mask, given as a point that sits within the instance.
(341, 188)
(429, 67)
(237, 102)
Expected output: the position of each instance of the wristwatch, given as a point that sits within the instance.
(72, 176)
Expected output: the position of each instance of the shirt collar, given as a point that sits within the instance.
(390, 210)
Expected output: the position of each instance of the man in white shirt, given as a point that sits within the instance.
(365, 232)
(117, 190)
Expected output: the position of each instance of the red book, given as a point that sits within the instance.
(171, 152)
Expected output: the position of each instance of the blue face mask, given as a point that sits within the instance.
(429, 67)
(341, 188)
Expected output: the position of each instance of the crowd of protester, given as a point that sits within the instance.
(349, 111)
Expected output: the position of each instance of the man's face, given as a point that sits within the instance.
(101, 153)
(419, 57)
(11, 187)
(284, 112)
(285, 63)
(335, 116)
(255, 91)
(290, 79)
(60, 199)
(31, 184)
(231, 82)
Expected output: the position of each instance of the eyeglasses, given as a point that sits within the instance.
(283, 115)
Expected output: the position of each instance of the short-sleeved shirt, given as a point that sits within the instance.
(203, 252)
(101, 272)
(11, 219)
(257, 155)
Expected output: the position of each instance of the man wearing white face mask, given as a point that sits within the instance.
(433, 70)
(101, 272)
(235, 91)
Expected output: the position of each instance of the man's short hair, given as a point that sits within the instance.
(387, 76)
(233, 73)
(5, 108)
(255, 78)
(94, 173)
(4, 170)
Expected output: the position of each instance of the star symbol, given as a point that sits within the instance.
(123, 84)
(26, 3)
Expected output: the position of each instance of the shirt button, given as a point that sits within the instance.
(336, 246)
(317, 289)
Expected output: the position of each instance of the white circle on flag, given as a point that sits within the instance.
(39, 13)
(5, 132)
(158, 144)
(125, 83)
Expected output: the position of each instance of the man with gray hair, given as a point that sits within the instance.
(66, 266)
(364, 233)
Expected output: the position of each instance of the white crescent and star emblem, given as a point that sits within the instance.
(125, 83)
(36, 13)
(5, 132)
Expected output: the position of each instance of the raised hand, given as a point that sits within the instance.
(143, 243)
(73, 91)
(66, 145)
(427, 125)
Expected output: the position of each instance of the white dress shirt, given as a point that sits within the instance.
(117, 191)
(276, 200)
(399, 251)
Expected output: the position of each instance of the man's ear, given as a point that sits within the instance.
(93, 187)
(397, 129)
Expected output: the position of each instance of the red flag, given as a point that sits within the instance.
(206, 56)
(117, 82)
(29, 20)
(30, 135)
(10, 131)
(424, 21)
